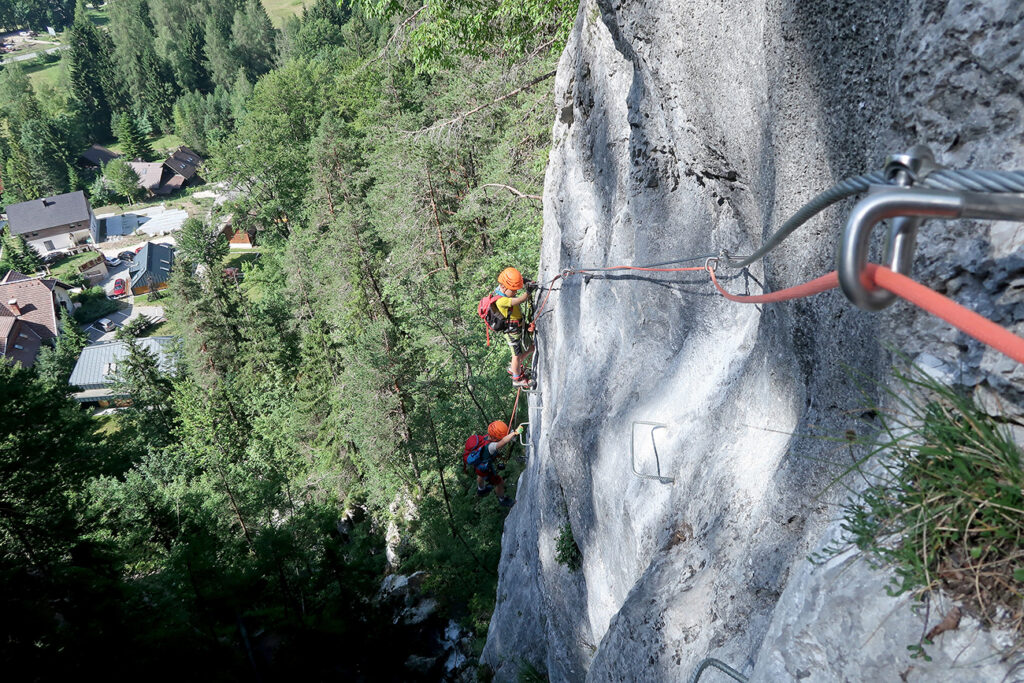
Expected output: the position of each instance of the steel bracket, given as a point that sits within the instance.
(657, 463)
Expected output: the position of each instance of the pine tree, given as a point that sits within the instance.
(254, 39)
(55, 365)
(221, 62)
(148, 80)
(18, 254)
(89, 67)
(133, 140)
(19, 183)
(199, 243)
(151, 414)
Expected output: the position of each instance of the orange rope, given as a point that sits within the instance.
(515, 407)
(965, 320)
(977, 326)
(815, 286)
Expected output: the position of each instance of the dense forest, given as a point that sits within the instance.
(231, 521)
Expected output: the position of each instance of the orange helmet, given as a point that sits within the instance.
(497, 430)
(511, 279)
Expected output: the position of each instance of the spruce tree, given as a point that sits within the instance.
(89, 67)
(19, 183)
(133, 141)
(254, 39)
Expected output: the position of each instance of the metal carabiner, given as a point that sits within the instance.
(909, 206)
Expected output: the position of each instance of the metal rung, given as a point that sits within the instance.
(632, 453)
(523, 424)
(721, 666)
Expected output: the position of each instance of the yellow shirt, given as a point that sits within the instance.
(505, 303)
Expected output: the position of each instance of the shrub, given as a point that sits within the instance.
(944, 503)
(566, 551)
(94, 305)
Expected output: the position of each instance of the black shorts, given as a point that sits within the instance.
(514, 337)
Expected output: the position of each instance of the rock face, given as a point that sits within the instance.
(686, 128)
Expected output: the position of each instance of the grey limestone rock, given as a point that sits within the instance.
(683, 128)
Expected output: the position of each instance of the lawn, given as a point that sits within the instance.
(106, 425)
(237, 259)
(68, 266)
(279, 10)
(194, 207)
(166, 143)
(161, 298)
(98, 16)
(40, 76)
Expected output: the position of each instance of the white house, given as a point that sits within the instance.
(61, 223)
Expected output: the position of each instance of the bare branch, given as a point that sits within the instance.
(465, 115)
(514, 191)
(398, 31)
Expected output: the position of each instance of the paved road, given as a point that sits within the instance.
(31, 55)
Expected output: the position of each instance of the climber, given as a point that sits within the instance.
(481, 452)
(509, 307)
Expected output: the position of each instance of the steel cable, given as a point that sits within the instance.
(942, 179)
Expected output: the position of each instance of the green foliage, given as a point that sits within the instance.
(445, 32)
(122, 180)
(342, 374)
(944, 504)
(146, 80)
(567, 553)
(36, 14)
(528, 673)
(200, 243)
(17, 254)
(95, 305)
(133, 140)
(134, 328)
(54, 365)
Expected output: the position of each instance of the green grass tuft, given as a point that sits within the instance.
(566, 551)
(944, 503)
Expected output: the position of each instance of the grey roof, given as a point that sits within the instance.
(98, 363)
(47, 212)
(152, 265)
(98, 154)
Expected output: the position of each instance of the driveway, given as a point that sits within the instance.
(31, 55)
(120, 318)
(112, 275)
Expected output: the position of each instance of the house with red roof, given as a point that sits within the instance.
(30, 315)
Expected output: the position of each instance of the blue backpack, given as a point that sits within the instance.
(475, 453)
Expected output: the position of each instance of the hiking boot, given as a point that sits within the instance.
(506, 502)
(522, 381)
(484, 491)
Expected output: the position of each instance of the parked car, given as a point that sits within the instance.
(106, 324)
(127, 256)
(112, 262)
(120, 287)
(53, 257)
(139, 248)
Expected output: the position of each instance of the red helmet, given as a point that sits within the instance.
(497, 430)
(511, 279)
